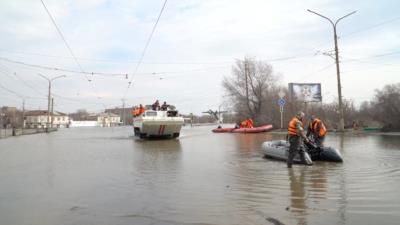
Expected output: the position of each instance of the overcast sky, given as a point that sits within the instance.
(193, 48)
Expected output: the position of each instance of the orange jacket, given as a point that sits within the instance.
(246, 123)
(292, 130)
(313, 126)
(141, 110)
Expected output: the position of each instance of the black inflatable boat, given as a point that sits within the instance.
(280, 150)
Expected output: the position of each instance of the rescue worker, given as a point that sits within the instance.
(164, 106)
(141, 109)
(248, 123)
(156, 105)
(296, 137)
(135, 111)
(316, 129)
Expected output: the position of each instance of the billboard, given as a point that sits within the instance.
(305, 92)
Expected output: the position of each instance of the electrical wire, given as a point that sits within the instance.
(145, 48)
(62, 37)
(62, 69)
(68, 46)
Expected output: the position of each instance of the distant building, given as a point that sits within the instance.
(124, 113)
(108, 119)
(39, 119)
(98, 120)
(10, 117)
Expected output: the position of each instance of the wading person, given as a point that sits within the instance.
(316, 129)
(296, 137)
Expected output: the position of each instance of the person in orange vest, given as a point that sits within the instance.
(141, 110)
(248, 123)
(296, 137)
(134, 111)
(243, 124)
(317, 130)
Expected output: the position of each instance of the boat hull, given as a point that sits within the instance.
(260, 129)
(159, 126)
(279, 150)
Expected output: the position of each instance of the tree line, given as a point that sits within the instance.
(252, 92)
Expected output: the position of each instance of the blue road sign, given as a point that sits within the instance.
(281, 102)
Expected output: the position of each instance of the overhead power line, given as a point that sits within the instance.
(370, 27)
(62, 36)
(145, 47)
(68, 47)
(103, 73)
(61, 69)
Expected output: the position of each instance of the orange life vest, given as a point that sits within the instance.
(141, 110)
(246, 123)
(292, 126)
(314, 125)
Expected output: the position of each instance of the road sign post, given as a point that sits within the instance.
(281, 103)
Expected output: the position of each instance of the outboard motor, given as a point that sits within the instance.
(323, 153)
(330, 154)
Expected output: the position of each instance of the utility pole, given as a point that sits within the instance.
(23, 114)
(334, 24)
(49, 97)
(52, 112)
(123, 112)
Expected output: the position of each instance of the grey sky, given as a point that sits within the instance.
(193, 48)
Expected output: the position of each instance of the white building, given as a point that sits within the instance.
(39, 119)
(108, 120)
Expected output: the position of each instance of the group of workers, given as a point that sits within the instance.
(315, 136)
(138, 110)
(156, 106)
(247, 123)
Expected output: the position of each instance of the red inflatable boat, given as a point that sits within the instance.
(259, 129)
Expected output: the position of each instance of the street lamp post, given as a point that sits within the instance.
(49, 96)
(334, 24)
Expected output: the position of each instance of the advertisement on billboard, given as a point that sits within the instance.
(305, 92)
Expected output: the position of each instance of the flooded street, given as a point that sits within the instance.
(106, 176)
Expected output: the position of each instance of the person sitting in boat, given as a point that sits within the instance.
(316, 130)
(248, 123)
(164, 106)
(156, 106)
(296, 136)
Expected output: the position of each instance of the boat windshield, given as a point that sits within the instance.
(151, 113)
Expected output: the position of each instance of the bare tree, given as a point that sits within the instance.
(386, 106)
(250, 87)
(79, 115)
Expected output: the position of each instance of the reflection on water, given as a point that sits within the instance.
(298, 195)
(390, 142)
(106, 176)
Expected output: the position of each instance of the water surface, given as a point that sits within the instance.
(106, 176)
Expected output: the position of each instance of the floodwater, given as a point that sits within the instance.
(106, 176)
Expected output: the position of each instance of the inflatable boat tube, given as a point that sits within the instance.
(259, 129)
(279, 150)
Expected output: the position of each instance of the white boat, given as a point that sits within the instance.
(158, 124)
